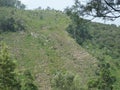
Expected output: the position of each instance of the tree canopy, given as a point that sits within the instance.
(106, 9)
(12, 3)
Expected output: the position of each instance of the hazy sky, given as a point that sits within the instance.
(58, 5)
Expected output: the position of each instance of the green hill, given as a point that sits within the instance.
(40, 42)
(44, 46)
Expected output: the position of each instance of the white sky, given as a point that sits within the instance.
(58, 5)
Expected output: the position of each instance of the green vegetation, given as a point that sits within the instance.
(28, 81)
(109, 11)
(105, 80)
(49, 58)
(12, 24)
(78, 28)
(105, 43)
(12, 3)
(102, 41)
(9, 78)
(44, 47)
(65, 81)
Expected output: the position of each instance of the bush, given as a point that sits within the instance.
(64, 81)
(8, 77)
(104, 80)
(12, 24)
(28, 81)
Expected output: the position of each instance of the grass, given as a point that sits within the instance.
(45, 47)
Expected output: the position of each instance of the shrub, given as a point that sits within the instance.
(105, 80)
(28, 81)
(8, 77)
(12, 24)
(64, 81)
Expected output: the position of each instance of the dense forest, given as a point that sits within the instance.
(47, 49)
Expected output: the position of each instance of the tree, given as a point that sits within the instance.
(78, 27)
(48, 8)
(12, 24)
(106, 9)
(104, 80)
(12, 3)
(8, 77)
(19, 5)
(8, 3)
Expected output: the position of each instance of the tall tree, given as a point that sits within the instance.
(78, 27)
(106, 9)
(12, 3)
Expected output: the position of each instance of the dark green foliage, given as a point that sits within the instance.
(104, 42)
(64, 81)
(28, 83)
(8, 3)
(104, 80)
(105, 9)
(106, 39)
(8, 77)
(12, 24)
(78, 28)
(12, 3)
(100, 40)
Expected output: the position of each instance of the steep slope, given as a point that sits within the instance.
(45, 47)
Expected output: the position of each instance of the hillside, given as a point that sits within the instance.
(100, 40)
(44, 46)
(105, 43)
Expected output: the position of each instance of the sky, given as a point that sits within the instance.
(56, 4)
(59, 5)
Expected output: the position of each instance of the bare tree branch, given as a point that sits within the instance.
(118, 10)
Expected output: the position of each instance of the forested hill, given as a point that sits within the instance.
(103, 42)
(40, 42)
